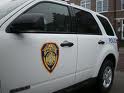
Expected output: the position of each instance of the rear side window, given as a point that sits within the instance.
(86, 24)
(106, 26)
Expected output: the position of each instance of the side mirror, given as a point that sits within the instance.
(27, 22)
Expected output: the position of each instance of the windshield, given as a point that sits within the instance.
(7, 6)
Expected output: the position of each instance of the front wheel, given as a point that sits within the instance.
(105, 77)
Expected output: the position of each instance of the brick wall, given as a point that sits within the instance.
(111, 5)
(93, 5)
(118, 4)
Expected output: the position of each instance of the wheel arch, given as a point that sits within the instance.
(110, 56)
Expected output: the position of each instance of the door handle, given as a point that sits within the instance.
(101, 42)
(66, 43)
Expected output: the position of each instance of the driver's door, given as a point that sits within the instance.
(43, 61)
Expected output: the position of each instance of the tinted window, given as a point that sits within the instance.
(86, 23)
(56, 17)
(106, 26)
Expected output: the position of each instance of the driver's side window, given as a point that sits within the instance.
(43, 17)
(56, 16)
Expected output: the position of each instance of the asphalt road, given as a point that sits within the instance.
(118, 85)
(121, 60)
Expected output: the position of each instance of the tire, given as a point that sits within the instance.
(105, 77)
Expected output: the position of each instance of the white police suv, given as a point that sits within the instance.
(49, 45)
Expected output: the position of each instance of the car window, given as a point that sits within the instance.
(56, 16)
(106, 26)
(86, 24)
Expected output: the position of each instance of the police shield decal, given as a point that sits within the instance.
(50, 56)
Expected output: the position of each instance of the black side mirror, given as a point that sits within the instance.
(26, 22)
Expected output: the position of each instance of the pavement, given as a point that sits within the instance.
(121, 60)
(118, 86)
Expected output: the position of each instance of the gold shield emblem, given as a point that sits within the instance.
(50, 56)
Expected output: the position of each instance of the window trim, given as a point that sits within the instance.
(102, 6)
(50, 32)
